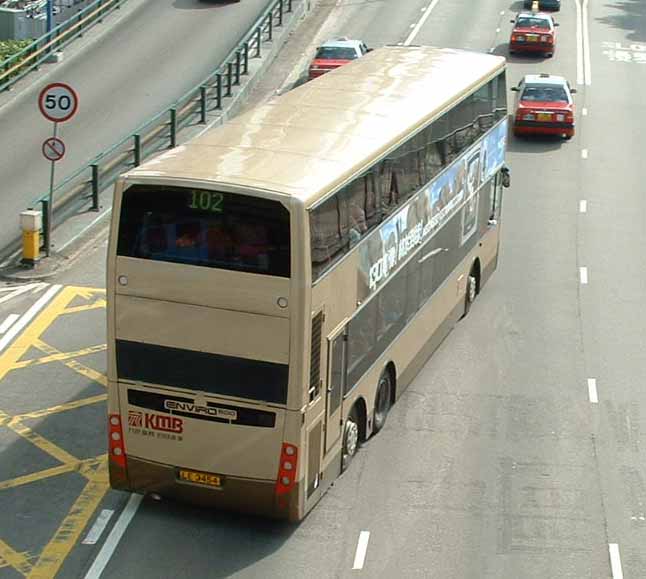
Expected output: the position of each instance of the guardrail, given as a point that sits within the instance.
(32, 56)
(82, 188)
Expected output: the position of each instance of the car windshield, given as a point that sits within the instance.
(544, 92)
(529, 22)
(336, 53)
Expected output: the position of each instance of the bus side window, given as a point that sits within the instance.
(325, 233)
(354, 203)
(387, 189)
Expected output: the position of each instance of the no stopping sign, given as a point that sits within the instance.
(53, 149)
(58, 102)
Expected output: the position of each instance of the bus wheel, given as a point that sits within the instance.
(471, 293)
(350, 438)
(382, 401)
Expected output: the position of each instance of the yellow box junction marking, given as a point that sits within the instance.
(93, 469)
(19, 561)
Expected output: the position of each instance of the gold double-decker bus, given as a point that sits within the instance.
(275, 284)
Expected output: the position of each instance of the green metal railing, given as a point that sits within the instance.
(32, 56)
(82, 188)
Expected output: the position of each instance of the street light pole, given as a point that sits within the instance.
(50, 16)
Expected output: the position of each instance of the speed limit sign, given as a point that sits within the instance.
(58, 102)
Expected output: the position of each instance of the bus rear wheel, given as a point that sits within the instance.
(350, 439)
(472, 291)
(382, 400)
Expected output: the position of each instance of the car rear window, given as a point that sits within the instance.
(526, 22)
(336, 53)
(546, 93)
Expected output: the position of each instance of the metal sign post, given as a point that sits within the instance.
(58, 103)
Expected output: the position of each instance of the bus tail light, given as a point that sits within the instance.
(115, 441)
(287, 469)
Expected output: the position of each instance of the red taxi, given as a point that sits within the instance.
(533, 32)
(544, 106)
(335, 53)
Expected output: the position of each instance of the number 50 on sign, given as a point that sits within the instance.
(58, 102)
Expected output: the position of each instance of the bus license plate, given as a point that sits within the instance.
(201, 478)
(544, 117)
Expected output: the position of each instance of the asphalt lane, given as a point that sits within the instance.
(483, 469)
(612, 238)
(495, 464)
(130, 73)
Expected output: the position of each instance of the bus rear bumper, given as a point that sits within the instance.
(236, 494)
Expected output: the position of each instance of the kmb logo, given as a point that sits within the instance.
(135, 419)
(155, 422)
(164, 423)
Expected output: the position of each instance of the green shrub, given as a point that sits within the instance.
(10, 47)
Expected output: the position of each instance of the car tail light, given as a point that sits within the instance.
(544, 38)
(560, 118)
(287, 469)
(569, 117)
(519, 37)
(115, 441)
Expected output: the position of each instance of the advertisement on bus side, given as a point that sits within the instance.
(432, 207)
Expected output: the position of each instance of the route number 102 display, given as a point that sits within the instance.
(207, 201)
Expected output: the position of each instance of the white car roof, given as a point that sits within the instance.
(343, 43)
(543, 15)
(547, 79)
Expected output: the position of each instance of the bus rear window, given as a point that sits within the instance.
(205, 228)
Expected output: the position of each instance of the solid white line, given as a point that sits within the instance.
(362, 547)
(98, 527)
(587, 61)
(592, 390)
(16, 291)
(39, 286)
(615, 561)
(584, 154)
(579, 44)
(28, 315)
(419, 25)
(583, 274)
(583, 206)
(11, 318)
(103, 558)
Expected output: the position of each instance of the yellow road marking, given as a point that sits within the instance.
(37, 440)
(14, 352)
(99, 304)
(85, 467)
(58, 357)
(40, 475)
(73, 364)
(85, 292)
(67, 535)
(64, 407)
(19, 561)
(94, 469)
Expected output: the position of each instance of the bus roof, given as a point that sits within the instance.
(314, 138)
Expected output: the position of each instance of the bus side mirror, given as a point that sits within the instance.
(506, 177)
